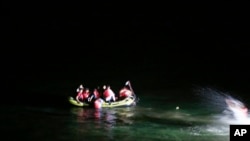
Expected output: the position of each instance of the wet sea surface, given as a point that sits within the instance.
(153, 118)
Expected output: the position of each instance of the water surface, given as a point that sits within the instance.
(153, 118)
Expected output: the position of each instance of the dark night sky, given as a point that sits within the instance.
(161, 43)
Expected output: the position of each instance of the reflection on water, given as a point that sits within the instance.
(109, 116)
(148, 124)
(233, 110)
(102, 123)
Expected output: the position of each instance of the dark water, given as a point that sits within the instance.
(155, 117)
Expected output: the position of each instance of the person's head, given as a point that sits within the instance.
(104, 87)
(87, 90)
(81, 86)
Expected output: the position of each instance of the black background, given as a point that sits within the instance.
(155, 45)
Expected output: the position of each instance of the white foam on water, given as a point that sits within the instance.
(233, 110)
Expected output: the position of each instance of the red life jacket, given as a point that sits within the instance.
(85, 95)
(96, 93)
(80, 95)
(108, 94)
(125, 93)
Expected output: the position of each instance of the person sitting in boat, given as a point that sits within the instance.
(79, 96)
(125, 92)
(95, 95)
(108, 94)
(86, 93)
(82, 95)
(79, 88)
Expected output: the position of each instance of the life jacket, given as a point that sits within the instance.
(96, 93)
(108, 94)
(80, 95)
(85, 95)
(93, 96)
(125, 93)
